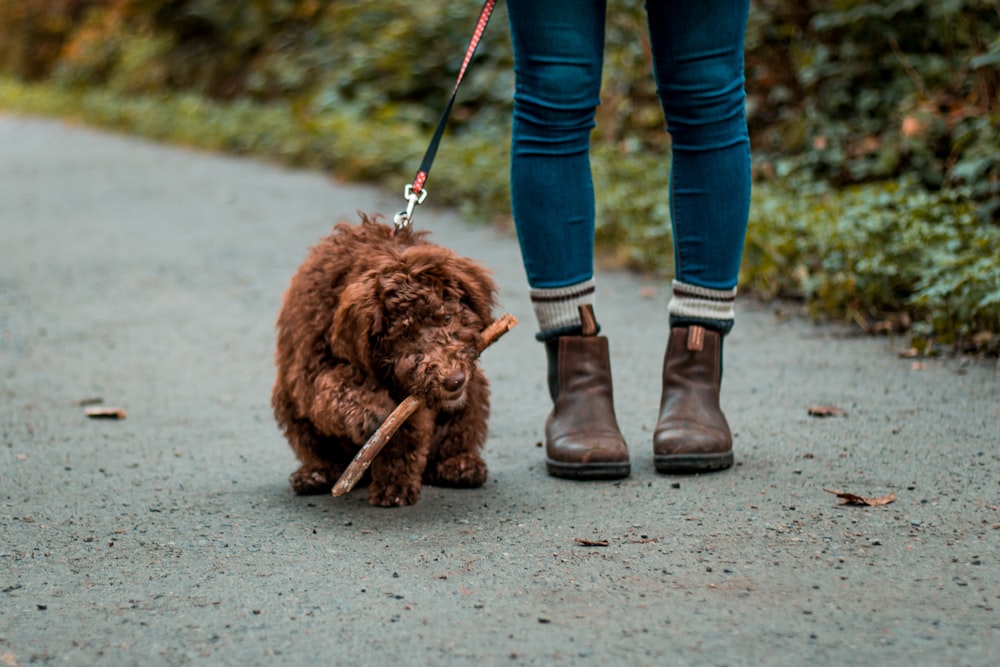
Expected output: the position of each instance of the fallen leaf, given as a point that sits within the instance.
(983, 338)
(104, 412)
(852, 499)
(918, 366)
(591, 543)
(826, 411)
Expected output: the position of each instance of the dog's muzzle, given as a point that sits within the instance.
(453, 390)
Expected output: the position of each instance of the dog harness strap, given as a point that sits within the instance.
(415, 192)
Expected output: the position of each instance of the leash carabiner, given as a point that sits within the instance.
(405, 218)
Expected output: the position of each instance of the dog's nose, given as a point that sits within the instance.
(455, 381)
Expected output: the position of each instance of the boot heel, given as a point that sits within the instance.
(591, 471)
(690, 464)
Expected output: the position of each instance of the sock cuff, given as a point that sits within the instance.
(558, 308)
(701, 303)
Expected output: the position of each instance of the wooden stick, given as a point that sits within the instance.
(375, 443)
(500, 326)
(397, 417)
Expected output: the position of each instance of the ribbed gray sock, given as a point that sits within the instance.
(558, 309)
(693, 303)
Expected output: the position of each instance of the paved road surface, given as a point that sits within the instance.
(150, 278)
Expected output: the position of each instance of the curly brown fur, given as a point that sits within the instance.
(367, 320)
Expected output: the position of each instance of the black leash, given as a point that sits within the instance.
(415, 193)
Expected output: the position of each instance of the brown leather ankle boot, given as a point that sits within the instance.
(582, 438)
(692, 434)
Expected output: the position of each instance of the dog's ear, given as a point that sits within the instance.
(475, 286)
(358, 320)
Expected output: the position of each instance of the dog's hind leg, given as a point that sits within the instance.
(455, 458)
(309, 481)
(321, 460)
(316, 473)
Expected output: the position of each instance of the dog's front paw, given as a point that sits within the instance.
(311, 481)
(393, 494)
(373, 414)
(463, 471)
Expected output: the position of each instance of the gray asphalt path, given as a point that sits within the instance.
(150, 277)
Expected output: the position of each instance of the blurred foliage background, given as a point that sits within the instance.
(875, 126)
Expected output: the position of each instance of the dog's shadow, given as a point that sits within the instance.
(437, 507)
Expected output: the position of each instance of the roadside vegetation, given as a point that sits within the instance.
(875, 127)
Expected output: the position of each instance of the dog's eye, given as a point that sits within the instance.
(447, 319)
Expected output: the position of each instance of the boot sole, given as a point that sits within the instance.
(688, 464)
(588, 471)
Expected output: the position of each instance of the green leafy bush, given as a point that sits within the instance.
(851, 91)
(890, 256)
(874, 126)
(856, 91)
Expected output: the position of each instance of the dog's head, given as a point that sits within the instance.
(414, 322)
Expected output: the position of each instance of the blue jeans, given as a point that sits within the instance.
(698, 62)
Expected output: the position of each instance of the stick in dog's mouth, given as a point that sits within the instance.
(397, 417)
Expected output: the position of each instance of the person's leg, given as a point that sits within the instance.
(698, 60)
(558, 58)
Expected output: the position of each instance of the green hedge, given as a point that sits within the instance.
(856, 91)
(874, 125)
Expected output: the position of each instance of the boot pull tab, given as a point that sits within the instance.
(587, 320)
(696, 338)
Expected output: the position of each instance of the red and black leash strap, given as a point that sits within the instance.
(415, 192)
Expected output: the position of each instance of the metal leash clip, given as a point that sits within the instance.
(404, 218)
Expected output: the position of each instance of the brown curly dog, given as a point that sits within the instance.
(368, 319)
